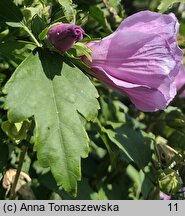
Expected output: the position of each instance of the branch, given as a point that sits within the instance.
(19, 168)
(21, 160)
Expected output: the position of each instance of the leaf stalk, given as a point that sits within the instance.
(31, 35)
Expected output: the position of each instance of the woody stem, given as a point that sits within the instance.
(21, 159)
(19, 168)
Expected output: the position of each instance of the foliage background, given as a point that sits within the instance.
(120, 158)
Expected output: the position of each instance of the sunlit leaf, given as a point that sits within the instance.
(56, 94)
(166, 4)
(68, 9)
(99, 16)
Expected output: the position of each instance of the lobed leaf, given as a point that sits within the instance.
(45, 87)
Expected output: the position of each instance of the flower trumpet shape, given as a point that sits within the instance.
(140, 59)
(63, 36)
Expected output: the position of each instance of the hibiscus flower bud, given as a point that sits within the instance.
(180, 80)
(140, 59)
(64, 36)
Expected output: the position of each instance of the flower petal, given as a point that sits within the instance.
(149, 22)
(141, 59)
(145, 59)
(145, 98)
(165, 25)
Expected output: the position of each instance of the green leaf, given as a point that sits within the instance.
(43, 34)
(68, 9)
(56, 94)
(142, 182)
(175, 118)
(115, 7)
(14, 52)
(9, 12)
(99, 16)
(49, 182)
(17, 131)
(37, 25)
(82, 49)
(135, 176)
(169, 181)
(18, 2)
(12, 15)
(100, 195)
(40, 10)
(177, 139)
(166, 4)
(115, 4)
(133, 145)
